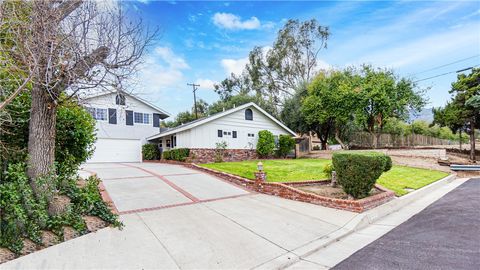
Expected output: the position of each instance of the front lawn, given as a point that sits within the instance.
(284, 170)
(398, 179)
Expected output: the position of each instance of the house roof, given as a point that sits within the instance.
(164, 114)
(210, 118)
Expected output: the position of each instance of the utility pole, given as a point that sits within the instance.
(195, 88)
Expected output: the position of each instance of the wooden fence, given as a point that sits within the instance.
(366, 140)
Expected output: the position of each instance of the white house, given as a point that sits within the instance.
(123, 123)
(238, 127)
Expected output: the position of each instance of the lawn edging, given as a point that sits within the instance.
(288, 191)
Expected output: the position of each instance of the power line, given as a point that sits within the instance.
(446, 73)
(445, 65)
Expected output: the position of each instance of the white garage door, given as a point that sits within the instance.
(117, 150)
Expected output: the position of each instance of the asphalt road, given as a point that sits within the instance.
(445, 235)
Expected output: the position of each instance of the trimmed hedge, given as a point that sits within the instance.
(357, 172)
(150, 152)
(179, 154)
(285, 144)
(265, 144)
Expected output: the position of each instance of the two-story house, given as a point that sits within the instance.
(124, 122)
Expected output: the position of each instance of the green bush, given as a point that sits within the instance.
(150, 152)
(285, 144)
(179, 154)
(328, 169)
(265, 144)
(357, 172)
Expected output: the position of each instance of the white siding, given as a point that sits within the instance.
(120, 130)
(205, 136)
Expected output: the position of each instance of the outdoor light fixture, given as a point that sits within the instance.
(260, 166)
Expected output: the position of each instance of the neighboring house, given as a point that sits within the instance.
(123, 123)
(238, 127)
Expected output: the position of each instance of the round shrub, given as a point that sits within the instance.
(328, 169)
(265, 144)
(357, 172)
(150, 152)
(285, 144)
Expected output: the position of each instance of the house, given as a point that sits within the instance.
(123, 122)
(237, 127)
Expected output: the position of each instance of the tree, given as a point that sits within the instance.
(240, 99)
(464, 104)
(292, 115)
(67, 47)
(276, 73)
(330, 104)
(382, 95)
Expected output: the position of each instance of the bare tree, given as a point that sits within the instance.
(66, 48)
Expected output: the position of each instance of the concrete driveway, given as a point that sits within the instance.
(178, 218)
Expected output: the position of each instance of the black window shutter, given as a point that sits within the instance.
(156, 120)
(234, 134)
(129, 118)
(112, 116)
(220, 133)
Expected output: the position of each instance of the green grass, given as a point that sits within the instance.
(400, 177)
(397, 179)
(288, 170)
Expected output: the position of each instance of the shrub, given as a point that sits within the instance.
(179, 154)
(220, 151)
(150, 152)
(74, 142)
(328, 169)
(358, 172)
(265, 144)
(316, 147)
(285, 144)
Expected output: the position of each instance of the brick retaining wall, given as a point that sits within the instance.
(288, 191)
(207, 155)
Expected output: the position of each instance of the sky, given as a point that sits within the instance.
(204, 41)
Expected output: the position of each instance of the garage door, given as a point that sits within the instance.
(117, 150)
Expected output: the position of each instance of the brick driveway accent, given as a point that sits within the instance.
(139, 187)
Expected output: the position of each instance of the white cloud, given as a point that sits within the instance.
(206, 84)
(162, 70)
(233, 22)
(234, 66)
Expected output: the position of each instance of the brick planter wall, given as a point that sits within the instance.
(207, 155)
(288, 191)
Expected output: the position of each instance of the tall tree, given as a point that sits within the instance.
(278, 71)
(382, 95)
(331, 101)
(464, 104)
(67, 47)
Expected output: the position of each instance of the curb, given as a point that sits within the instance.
(358, 222)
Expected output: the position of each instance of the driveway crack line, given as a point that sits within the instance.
(159, 241)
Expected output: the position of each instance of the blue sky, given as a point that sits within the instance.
(203, 42)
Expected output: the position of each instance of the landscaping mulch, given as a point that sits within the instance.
(94, 223)
(330, 192)
(69, 233)
(49, 239)
(6, 255)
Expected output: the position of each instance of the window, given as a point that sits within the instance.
(168, 143)
(142, 118)
(219, 133)
(234, 134)
(248, 114)
(98, 114)
(251, 135)
(275, 138)
(120, 99)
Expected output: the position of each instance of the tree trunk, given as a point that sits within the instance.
(323, 143)
(41, 138)
(472, 141)
(337, 137)
(460, 140)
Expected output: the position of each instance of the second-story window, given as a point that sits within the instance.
(248, 114)
(98, 114)
(141, 118)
